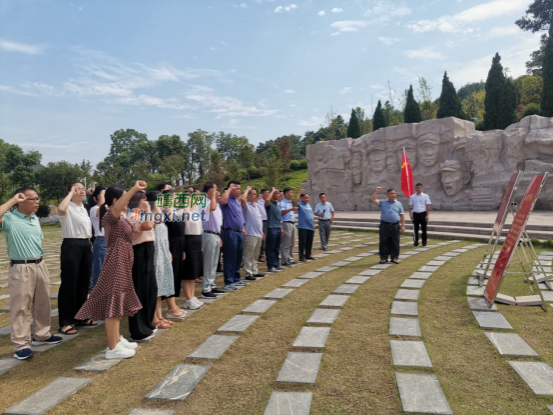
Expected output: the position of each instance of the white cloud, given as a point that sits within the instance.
(459, 22)
(349, 25)
(337, 10)
(234, 123)
(388, 40)
(381, 13)
(377, 86)
(511, 30)
(345, 90)
(8, 46)
(281, 9)
(321, 13)
(312, 122)
(289, 91)
(424, 53)
(243, 6)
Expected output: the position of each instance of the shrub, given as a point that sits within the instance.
(298, 164)
(531, 109)
(480, 125)
(43, 211)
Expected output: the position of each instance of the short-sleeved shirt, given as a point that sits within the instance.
(286, 204)
(419, 202)
(139, 236)
(261, 206)
(76, 222)
(96, 221)
(390, 211)
(327, 209)
(23, 235)
(305, 216)
(232, 214)
(273, 215)
(215, 221)
(254, 223)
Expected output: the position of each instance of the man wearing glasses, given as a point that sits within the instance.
(325, 212)
(28, 278)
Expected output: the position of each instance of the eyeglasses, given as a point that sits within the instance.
(37, 199)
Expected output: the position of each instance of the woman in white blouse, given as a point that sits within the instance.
(75, 258)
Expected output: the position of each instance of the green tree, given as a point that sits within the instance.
(539, 16)
(392, 115)
(378, 118)
(535, 65)
(501, 98)
(169, 145)
(54, 178)
(170, 167)
(473, 105)
(273, 172)
(529, 88)
(354, 130)
(470, 88)
(427, 105)
(547, 91)
(365, 123)
(412, 112)
(200, 143)
(450, 104)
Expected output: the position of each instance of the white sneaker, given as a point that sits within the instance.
(127, 344)
(197, 302)
(119, 352)
(191, 305)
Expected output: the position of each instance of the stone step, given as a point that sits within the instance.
(179, 383)
(213, 348)
(289, 403)
(510, 344)
(404, 327)
(312, 337)
(422, 394)
(537, 375)
(300, 368)
(409, 353)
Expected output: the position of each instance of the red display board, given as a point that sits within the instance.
(505, 202)
(511, 242)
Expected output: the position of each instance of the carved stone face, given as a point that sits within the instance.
(453, 181)
(411, 155)
(428, 154)
(355, 166)
(377, 160)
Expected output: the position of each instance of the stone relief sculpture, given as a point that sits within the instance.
(460, 168)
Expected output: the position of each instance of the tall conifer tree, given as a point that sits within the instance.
(379, 121)
(354, 131)
(501, 98)
(412, 112)
(547, 91)
(450, 104)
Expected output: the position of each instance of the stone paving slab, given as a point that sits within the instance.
(476, 281)
(422, 394)
(428, 268)
(404, 327)
(6, 363)
(528, 300)
(300, 368)
(321, 255)
(505, 299)
(491, 320)
(480, 304)
(435, 263)
(278, 293)
(213, 348)
(295, 283)
(420, 275)
(475, 290)
(179, 383)
(44, 347)
(538, 376)
(366, 254)
(409, 353)
(451, 254)
(357, 280)
(311, 275)
(289, 403)
(48, 397)
(403, 294)
(404, 308)
(381, 266)
(411, 283)
(323, 316)
(370, 272)
(352, 259)
(326, 269)
(340, 264)
(98, 363)
(334, 300)
(4, 297)
(442, 258)
(140, 411)
(237, 324)
(346, 289)
(312, 337)
(460, 250)
(510, 344)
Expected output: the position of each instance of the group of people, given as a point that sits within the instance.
(134, 263)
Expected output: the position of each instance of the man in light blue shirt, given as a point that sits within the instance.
(306, 226)
(253, 234)
(288, 218)
(325, 212)
(392, 223)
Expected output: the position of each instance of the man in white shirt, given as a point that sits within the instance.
(419, 209)
(253, 234)
(261, 206)
(325, 212)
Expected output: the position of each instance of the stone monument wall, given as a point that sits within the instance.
(459, 167)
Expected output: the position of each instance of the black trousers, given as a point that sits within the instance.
(145, 285)
(176, 247)
(389, 240)
(419, 219)
(305, 239)
(76, 269)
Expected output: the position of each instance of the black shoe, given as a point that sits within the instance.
(250, 278)
(310, 258)
(218, 291)
(423, 244)
(259, 275)
(208, 295)
(416, 244)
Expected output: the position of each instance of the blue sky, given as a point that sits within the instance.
(71, 73)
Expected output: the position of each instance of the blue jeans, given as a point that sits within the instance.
(98, 253)
(233, 246)
(272, 245)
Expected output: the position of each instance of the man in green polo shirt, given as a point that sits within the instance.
(28, 278)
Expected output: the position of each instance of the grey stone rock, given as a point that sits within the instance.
(312, 337)
(404, 308)
(334, 300)
(407, 294)
(346, 289)
(404, 327)
(412, 283)
(510, 344)
(480, 304)
(289, 403)
(311, 275)
(323, 316)
(538, 376)
(48, 397)
(278, 293)
(381, 266)
(409, 353)
(326, 269)
(300, 368)
(370, 272)
(428, 268)
(140, 411)
(357, 280)
(475, 290)
(213, 348)
(98, 363)
(237, 324)
(422, 394)
(179, 383)
(6, 363)
(421, 275)
(491, 320)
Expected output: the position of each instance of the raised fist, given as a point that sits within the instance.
(140, 185)
(248, 188)
(90, 192)
(302, 191)
(20, 197)
(378, 189)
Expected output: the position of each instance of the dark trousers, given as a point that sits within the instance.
(262, 250)
(272, 247)
(305, 239)
(233, 247)
(145, 285)
(76, 269)
(389, 240)
(419, 219)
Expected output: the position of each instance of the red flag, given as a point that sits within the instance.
(406, 176)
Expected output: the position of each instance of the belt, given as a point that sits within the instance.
(213, 233)
(25, 261)
(325, 220)
(76, 239)
(289, 221)
(231, 229)
(389, 223)
(264, 220)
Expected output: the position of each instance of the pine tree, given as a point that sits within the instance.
(508, 102)
(412, 112)
(354, 131)
(547, 91)
(501, 98)
(450, 104)
(379, 121)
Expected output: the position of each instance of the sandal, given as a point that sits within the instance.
(383, 261)
(395, 261)
(164, 325)
(172, 323)
(86, 323)
(66, 332)
(180, 316)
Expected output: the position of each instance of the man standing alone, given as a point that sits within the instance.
(306, 225)
(325, 212)
(289, 227)
(419, 210)
(391, 214)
